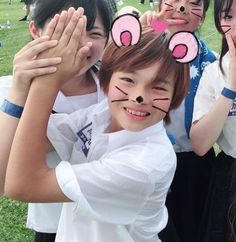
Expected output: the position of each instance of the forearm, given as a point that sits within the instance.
(8, 125)
(205, 132)
(27, 168)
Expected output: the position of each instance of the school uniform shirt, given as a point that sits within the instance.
(44, 217)
(210, 87)
(181, 118)
(119, 181)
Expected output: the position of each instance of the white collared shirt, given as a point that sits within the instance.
(44, 217)
(119, 181)
(209, 90)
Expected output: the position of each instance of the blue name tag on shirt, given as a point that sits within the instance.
(85, 135)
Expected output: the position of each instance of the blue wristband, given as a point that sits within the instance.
(228, 93)
(11, 109)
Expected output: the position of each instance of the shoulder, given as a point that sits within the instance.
(205, 55)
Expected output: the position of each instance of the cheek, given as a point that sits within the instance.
(116, 94)
(98, 47)
(163, 104)
(225, 26)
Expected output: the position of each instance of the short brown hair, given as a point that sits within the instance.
(151, 48)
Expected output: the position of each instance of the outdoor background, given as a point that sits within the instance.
(13, 36)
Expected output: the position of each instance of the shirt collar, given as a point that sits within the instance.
(124, 137)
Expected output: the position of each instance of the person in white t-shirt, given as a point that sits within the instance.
(126, 161)
(214, 121)
(81, 91)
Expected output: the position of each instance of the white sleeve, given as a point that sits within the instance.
(205, 96)
(106, 190)
(5, 84)
(114, 189)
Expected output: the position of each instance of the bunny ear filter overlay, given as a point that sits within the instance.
(126, 30)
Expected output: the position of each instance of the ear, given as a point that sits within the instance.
(126, 30)
(35, 31)
(184, 46)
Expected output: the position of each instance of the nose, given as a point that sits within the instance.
(182, 9)
(139, 99)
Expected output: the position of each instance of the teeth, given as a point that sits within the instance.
(137, 113)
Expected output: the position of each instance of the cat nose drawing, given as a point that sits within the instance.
(182, 9)
(139, 99)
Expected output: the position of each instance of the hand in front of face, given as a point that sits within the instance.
(70, 31)
(26, 66)
(147, 18)
(232, 62)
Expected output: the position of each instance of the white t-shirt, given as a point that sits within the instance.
(119, 181)
(44, 217)
(210, 87)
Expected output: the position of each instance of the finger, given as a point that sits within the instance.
(231, 46)
(60, 26)
(84, 30)
(76, 36)
(144, 18)
(50, 28)
(33, 43)
(83, 52)
(69, 15)
(161, 14)
(37, 49)
(67, 34)
(40, 71)
(34, 64)
(152, 16)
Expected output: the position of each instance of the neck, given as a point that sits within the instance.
(79, 85)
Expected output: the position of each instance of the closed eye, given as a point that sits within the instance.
(196, 4)
(160, 89)
(127, 79)
(97, 35)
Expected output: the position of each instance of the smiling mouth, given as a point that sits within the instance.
(137, 113)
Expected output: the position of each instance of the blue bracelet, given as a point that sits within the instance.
(12, 109)
(228, 93)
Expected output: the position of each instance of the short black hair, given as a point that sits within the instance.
(46, 9)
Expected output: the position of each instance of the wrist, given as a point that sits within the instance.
(17, 97)
(11, 109)
(228, 93)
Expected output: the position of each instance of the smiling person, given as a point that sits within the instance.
(117, 160)
(187, 196)
(214, 118)
(80, 91)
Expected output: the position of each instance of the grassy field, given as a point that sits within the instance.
(14, 35)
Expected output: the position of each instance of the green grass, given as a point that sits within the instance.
(13, 214)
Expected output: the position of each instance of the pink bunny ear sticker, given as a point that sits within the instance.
(126, 30)
(184, 46)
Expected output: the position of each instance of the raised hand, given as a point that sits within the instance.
(26, 66)
(149, 16)
(71, 46)
(232, 62)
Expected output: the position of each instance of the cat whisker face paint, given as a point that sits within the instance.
(228, 20)
(138, 100)
(183, 15)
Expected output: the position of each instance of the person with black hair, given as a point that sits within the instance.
(79, 92)
(214, 121)
(27, 9)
